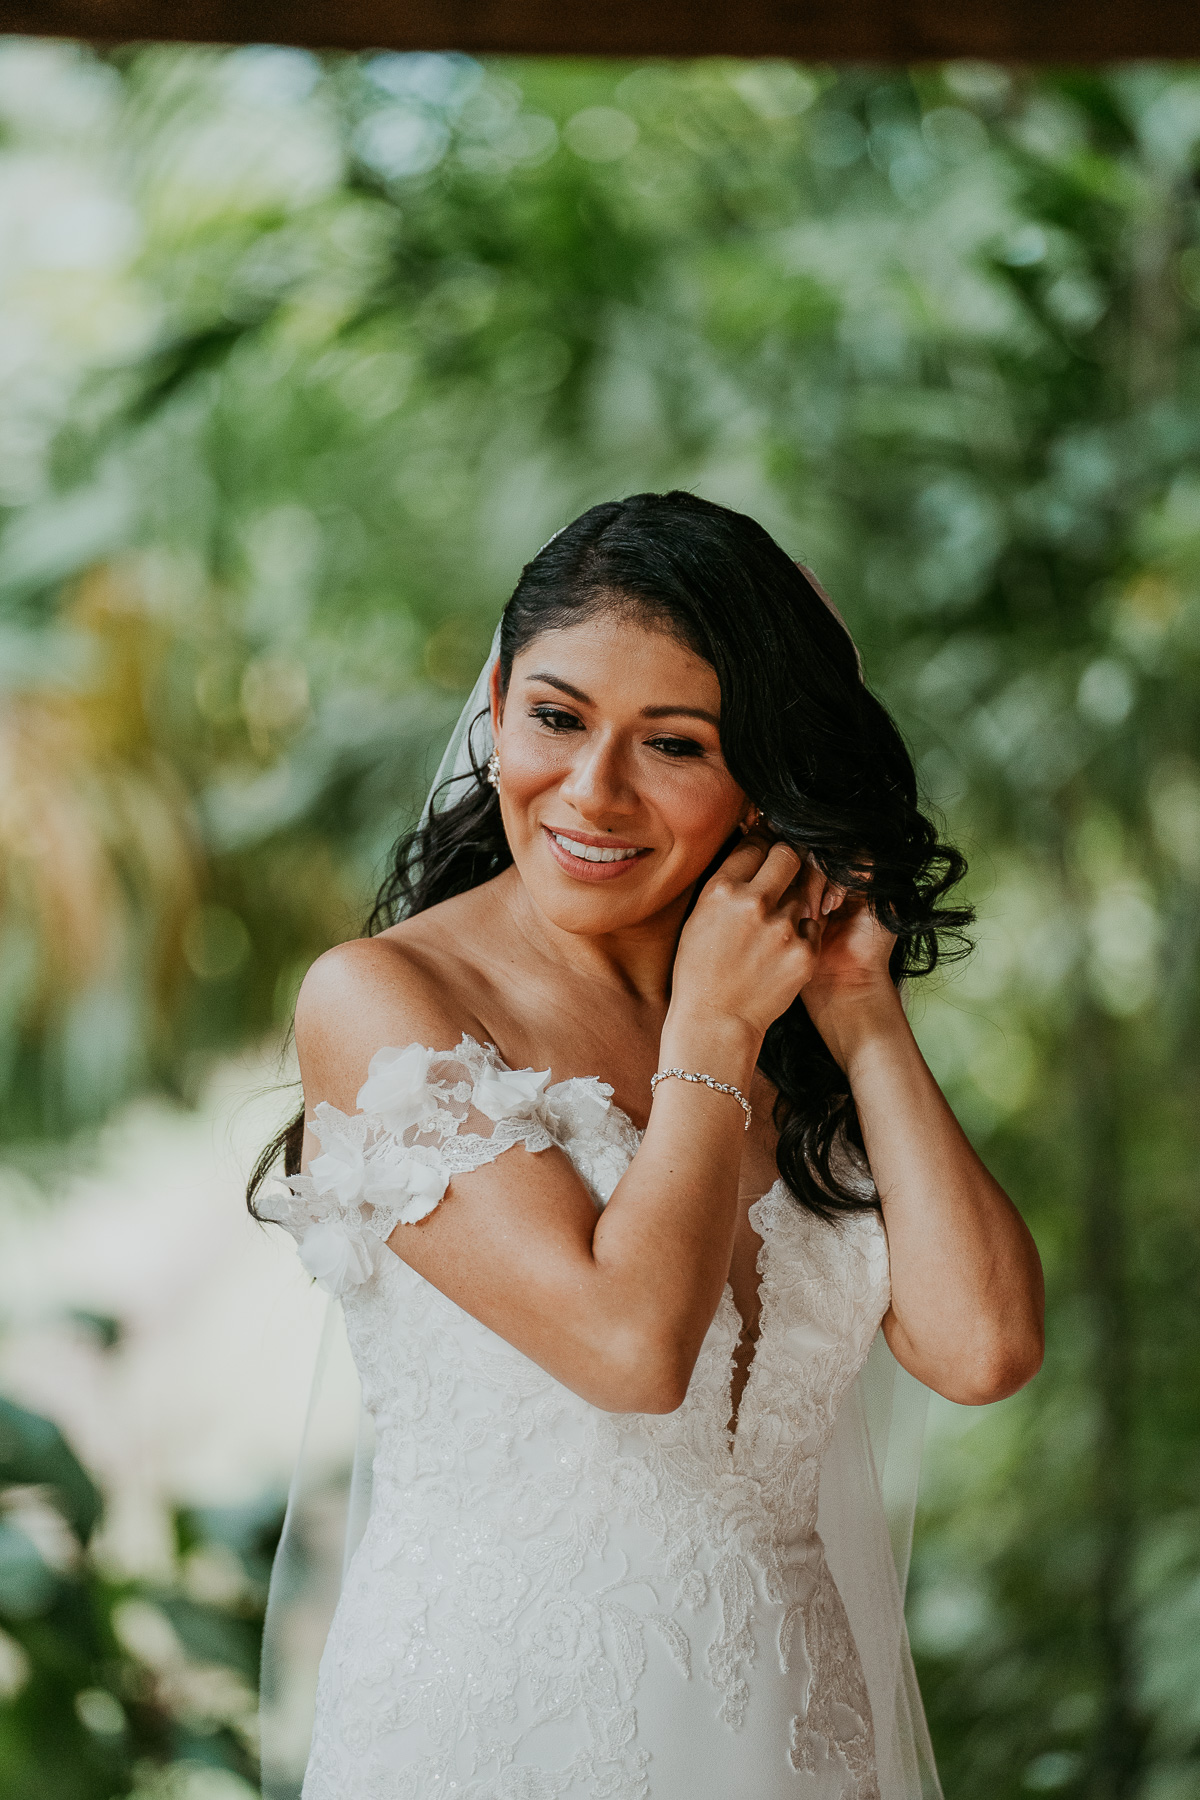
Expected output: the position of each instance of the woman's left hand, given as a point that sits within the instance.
(851, 975)
(966, 1285)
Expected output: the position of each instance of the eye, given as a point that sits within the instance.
(675, 746)
(555, 719)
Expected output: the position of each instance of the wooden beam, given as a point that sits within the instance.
(821, 30)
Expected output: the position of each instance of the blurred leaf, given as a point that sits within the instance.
(34, 1453)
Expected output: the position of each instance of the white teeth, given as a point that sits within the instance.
(591, 852)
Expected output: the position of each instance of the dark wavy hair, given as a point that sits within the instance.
(802, 736)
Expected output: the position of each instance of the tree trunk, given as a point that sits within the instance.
(1116, 1756)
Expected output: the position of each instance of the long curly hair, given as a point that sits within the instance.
(802, 736)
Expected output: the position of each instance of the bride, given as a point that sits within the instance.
(619, 1151)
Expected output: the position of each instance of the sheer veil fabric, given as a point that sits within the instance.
(868, 1492)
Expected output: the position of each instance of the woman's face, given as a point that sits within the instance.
(613, 788)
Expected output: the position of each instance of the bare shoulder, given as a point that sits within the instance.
(390, 990)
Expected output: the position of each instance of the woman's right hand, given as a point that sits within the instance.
(753, 938)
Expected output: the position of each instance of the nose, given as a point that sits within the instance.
(597, 784)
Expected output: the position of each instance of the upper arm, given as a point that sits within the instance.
(510, 1241)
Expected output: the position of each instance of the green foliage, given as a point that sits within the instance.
(374, 329)
(104, 1681)
(34, 1453)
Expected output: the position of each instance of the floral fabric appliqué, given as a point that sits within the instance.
(391, 1162)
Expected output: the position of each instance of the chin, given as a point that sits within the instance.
(590, 911)
(589, 915)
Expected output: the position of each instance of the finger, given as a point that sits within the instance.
(795, 910)
(810, 887)
(803, 896)
(747, 858)
(779, 870)
(808, 929)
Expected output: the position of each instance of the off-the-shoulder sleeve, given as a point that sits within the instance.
(423, 1117)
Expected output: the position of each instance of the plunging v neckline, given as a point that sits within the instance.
(737, 1394)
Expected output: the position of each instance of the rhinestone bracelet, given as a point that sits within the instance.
(719, 1087)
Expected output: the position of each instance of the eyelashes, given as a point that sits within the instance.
(677, 748)
(558, 720)
(555, 718)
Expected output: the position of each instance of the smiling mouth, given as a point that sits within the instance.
(592, 853)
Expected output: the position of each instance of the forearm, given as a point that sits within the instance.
(662, 1245)
(967, 1295)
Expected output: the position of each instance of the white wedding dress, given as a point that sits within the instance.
(552, 1602)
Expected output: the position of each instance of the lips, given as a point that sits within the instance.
(592, 859)
(594, 853)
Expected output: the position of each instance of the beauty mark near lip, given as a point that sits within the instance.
(582, 870)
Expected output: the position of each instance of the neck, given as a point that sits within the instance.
(637, 959)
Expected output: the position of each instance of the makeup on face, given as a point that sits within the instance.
(612, 769)
(591, 858)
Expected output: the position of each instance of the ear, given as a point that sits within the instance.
(495, 700)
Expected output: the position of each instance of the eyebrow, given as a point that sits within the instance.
(648, 712)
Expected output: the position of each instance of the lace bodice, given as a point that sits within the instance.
(543, 1587)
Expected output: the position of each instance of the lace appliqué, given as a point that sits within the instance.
(527, 1554)
(424, 1116)
(734, 1512)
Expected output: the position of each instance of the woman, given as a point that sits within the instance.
(620, 1150)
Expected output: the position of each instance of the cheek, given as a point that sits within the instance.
(690, 808)
(533, 766)
(699, 808)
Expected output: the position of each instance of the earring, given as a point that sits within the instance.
(493, 769)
